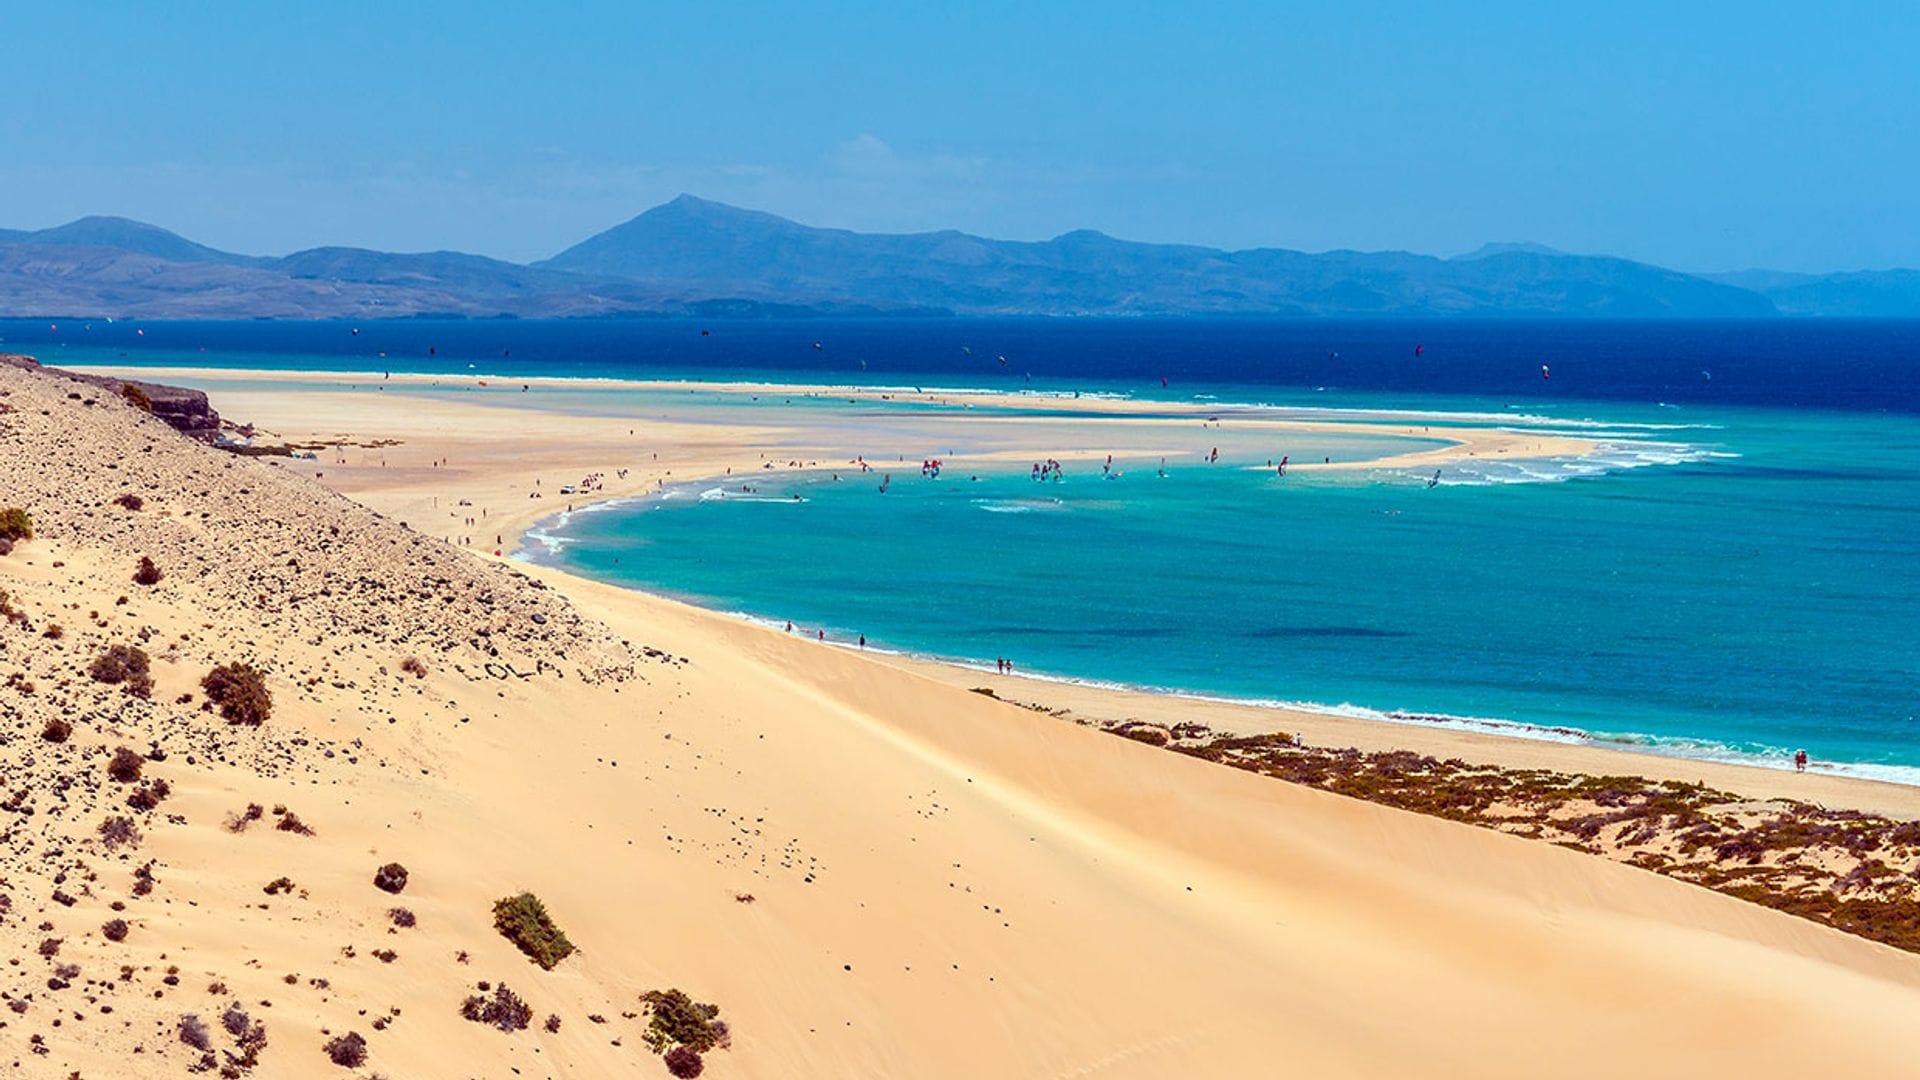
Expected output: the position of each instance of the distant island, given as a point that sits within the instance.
(692, 256)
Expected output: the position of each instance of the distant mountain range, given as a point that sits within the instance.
(696, 257)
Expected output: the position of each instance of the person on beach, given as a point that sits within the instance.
(1799, 761)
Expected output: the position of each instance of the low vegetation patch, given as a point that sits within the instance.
(15, 524)
(390, 878)
(290, 822)
(684, 1062)
(145, 573)
(238, 822)
(125, 665)
(149, 794)
(125, 765)
(504, 1009)
(349, 1050)
(1853, 871)
(676, 1020)
(240, 692)
(523, 920)
(118, 830)
(129, 501)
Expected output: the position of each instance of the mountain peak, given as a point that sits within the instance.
(126, 234)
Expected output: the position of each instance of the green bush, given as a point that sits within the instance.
(523, 920)
(240, 692)
(678, 1020)
(15, 524)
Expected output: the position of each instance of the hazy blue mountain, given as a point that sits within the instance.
(122, 234)
(694, 256)
(165, 276)
(447, 269)
(1510, 247)
(719, 248)
(1859, 293)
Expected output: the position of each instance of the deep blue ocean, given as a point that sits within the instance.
(1734, 576)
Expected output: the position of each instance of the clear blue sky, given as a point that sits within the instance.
(1700, 135)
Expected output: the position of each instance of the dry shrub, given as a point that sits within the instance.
(136, 397)
(240, 692)
(1145, 733)
(401, 917)
(129, 501)
(124, 664)
(239, 822)
(349, 1050)
(290, 822)
(118, 830)
(193, 1032)
(504, 1010)
(149, 794)
(126, 765)
(58, 730)
(412, 666)
(146, 573)
(684, 1062)
(390, 878)
(114, 929)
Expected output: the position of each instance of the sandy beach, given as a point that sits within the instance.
(469, 451)
(871, 869)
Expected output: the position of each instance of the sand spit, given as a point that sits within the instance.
(870, 871)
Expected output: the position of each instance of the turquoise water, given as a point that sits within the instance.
(1734, 576)
(1723, 582)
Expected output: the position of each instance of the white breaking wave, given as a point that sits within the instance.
(1607, 456)
(724, 495)
(1019, 506)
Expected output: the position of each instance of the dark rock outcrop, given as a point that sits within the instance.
(186, 411)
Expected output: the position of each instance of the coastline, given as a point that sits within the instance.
(863, 865)
(494, 451)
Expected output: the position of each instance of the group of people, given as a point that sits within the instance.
(930, 468)
(1049, 469)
